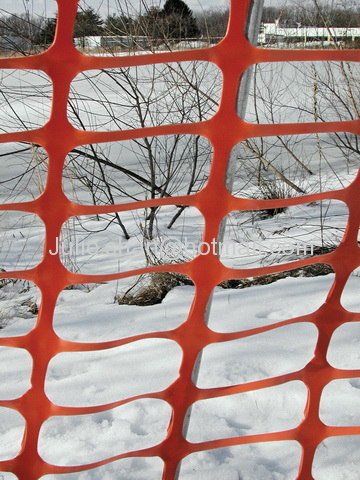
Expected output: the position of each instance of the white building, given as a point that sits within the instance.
(109, 42)
(274, 33)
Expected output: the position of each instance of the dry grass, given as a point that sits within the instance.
(315, 270)
(151, 289)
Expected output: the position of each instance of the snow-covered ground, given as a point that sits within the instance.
(91, 313)
(93, 378)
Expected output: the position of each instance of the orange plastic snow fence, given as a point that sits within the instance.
(233, 55)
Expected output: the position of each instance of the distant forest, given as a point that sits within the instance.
(174, 21)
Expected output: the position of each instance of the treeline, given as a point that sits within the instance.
(311, 16)
(172, 22)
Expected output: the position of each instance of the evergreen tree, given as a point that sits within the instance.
(178, 7)
(178, 20)
(118, 25)
(47, 34)
(88, 22)
(150, 24)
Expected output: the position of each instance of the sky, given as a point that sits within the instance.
(48, 7)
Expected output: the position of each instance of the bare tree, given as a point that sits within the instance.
(20, 34)
(300, 92)
(153, 95)
(127, 98)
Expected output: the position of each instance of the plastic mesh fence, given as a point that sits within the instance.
(233, 55)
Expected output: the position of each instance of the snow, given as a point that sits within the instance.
(22, 239)
(114, 374)
(260, 461)
(94, 378)
(12, 426)
(348, 300)
(340, 403)
(284, 92)
(178, 152)
(15, 372)
(104, 320)
(263, 305)
(136, 468)
(90, 313)
(23, 173)
(93, 245)
(283, 350)
(162, 93)
(331, 168)
(338, 458)
(346, 338)
(89, 438)
(16, 299)
(26, 100)
(277, 408)
(252, 241)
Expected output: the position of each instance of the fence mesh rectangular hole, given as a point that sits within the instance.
(144, 96)
(151, 167)
(294, 92)
(133, 28)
